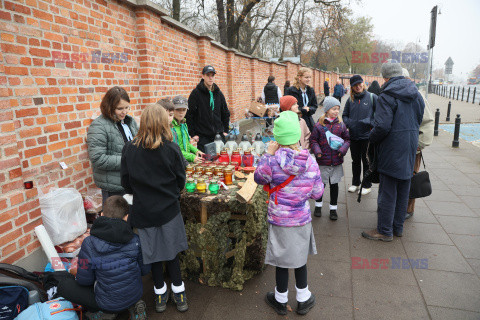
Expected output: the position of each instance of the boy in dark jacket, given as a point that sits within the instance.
(207, 113)
(110, 267)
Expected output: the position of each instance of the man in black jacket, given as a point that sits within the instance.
(207, 113)
(271, 94)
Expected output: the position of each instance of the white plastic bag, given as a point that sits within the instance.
(63, 214)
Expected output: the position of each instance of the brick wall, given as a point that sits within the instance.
(51, 87)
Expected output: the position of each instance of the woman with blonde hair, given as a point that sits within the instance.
(152, 170)
(305, 95)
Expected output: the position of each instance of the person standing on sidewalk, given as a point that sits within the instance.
(271, 93)
(398, 115)
(292, 177)
(207, 113)
(330, 155)
(358, 116)
(106, 137)
(326, 87)
(305, 95)
(338, 91)
(425, 138)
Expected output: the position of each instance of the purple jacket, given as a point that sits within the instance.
(293, 208)
(319, 144)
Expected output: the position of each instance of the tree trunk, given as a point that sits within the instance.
(176, 9)
(222, 26)
(230, 23)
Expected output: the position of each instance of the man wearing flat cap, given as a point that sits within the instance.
(207, 113)
(397, 118)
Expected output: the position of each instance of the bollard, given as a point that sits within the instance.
(458, 92)
(474, 92)
(437, 119)
(453, 93)
(448, 110)
(463, 91)
(450, 94)
(468, 93)
(456, 133)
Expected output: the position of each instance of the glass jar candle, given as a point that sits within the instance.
(201, 185)
(208, 176)
(199, 170)
(247, 159)
(213, 187)
(208, 170)
(189, 169)
(236, 157)
(220, 177)
(228, 176)
(190, 185)
(224, 158)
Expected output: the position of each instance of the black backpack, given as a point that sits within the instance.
(14, 276)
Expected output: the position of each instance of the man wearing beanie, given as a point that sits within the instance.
(289, 103)
(398, 115)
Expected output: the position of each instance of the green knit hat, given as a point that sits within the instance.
(286, 128)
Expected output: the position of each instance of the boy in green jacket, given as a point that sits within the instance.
(180, 130)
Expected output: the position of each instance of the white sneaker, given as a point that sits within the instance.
(353, 188)
(366, 191)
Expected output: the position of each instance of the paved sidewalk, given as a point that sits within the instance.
(445, 229)
(469, 112)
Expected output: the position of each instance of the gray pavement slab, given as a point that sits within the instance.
(439, 313)
(424, 232)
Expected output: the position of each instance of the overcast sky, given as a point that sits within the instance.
(458, 28)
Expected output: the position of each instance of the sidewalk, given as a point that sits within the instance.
(445, 229)
(469, 112)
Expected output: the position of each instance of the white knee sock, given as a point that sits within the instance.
(162, 290)
(281, 297)
(178, 289)
(303, 294)
(333, 207)
(318, 204)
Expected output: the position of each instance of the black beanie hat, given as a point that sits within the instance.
(355, 79)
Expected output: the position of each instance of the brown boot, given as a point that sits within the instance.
(375, 235)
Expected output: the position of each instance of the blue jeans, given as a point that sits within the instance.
(392, 204)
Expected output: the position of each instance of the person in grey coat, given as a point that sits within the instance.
(106, 137)
(397, 119)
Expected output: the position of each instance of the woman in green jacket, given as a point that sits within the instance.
(180, 130)
(106, 137)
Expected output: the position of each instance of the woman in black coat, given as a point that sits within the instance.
(375, 88)
(306, 97)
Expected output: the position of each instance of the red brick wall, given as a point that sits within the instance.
(51, 90)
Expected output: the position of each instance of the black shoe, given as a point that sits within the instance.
(318, 212)
(180, 300)
(280, 308)
(397, 234)
(304, 307)
(138, 311)
(161, 301)
(408, 215)
(333, 215)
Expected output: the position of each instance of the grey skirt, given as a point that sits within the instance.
(289, 247)
(334, 173)
(165, 242)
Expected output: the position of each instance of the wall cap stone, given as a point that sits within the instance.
(181, 26)
(148, 5)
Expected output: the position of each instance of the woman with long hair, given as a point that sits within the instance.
(153, 171)
(106, 137)
(305, 95)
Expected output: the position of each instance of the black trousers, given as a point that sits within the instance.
(173, 267)
(358, 150)
(281, 277)
(69, 289)
(333, 194)
(338, 98)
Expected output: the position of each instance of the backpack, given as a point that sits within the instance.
(13, 300)
(11, 275)
(58, 309)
